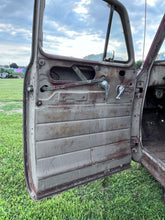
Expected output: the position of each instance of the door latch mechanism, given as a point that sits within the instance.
(104, 85)
(120, 90)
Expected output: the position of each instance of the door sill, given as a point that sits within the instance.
(153, 159)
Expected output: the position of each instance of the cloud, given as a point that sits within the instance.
(15, 31)
(68, 22)
(152, 2)
(9, 29)
(15, 53)
(136, 11)
(79, 46)
(82, 9)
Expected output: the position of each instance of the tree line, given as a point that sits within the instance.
(12, 65)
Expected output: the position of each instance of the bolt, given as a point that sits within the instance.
(39, 103)
(134, 150)
(30, 88)
(42, 62)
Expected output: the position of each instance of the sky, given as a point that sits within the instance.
(75, 27)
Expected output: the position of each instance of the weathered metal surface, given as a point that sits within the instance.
(157, 75)
(109, 73)
(83, 127)
(66, 145)
(73, 125)
(55, 183)
(143, 78)
(154, 166)
(152, 111)
(80, 159)
(49, 114)
(73, 84)
(74, 135)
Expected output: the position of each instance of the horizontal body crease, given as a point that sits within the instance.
(81, 150)
(84, 135)
(83, 120)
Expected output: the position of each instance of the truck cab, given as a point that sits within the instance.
(87, 115)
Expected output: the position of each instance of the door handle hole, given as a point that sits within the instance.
(43, 88)
(122, 73)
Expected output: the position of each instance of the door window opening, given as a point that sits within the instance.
(81, 31)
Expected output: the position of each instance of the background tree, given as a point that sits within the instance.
(14, 65)
(138, 64)
(9, 71)
(1, 70)
(6, 66)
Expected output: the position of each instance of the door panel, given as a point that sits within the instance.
(67, 162)
(50, 115)
(76, 124)
(79, 176)
(80, 139)
(67, 129)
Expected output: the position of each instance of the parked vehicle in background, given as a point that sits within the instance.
(3, 75)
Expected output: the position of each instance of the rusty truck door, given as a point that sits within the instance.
(77, 112)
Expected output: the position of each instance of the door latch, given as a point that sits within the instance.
(104, 85)
(120, 90)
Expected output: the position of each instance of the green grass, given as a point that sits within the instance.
(11, 90)
(132, 194)
(11, 106)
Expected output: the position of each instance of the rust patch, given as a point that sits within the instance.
(154, 168)
(114, 112)
(66, 107)
(69, 185)
(121, 78)
(121, 153)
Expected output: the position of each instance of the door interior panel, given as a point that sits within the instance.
(78, 112)
(76, 129)
(91, 93)
(55, 183)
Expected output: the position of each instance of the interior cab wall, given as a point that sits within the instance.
(153, 121)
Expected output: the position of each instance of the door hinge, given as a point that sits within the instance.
(134, 144)
(139, 89)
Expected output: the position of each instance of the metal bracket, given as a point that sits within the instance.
(70, 85)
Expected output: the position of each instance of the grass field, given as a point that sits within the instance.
(132, 194)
